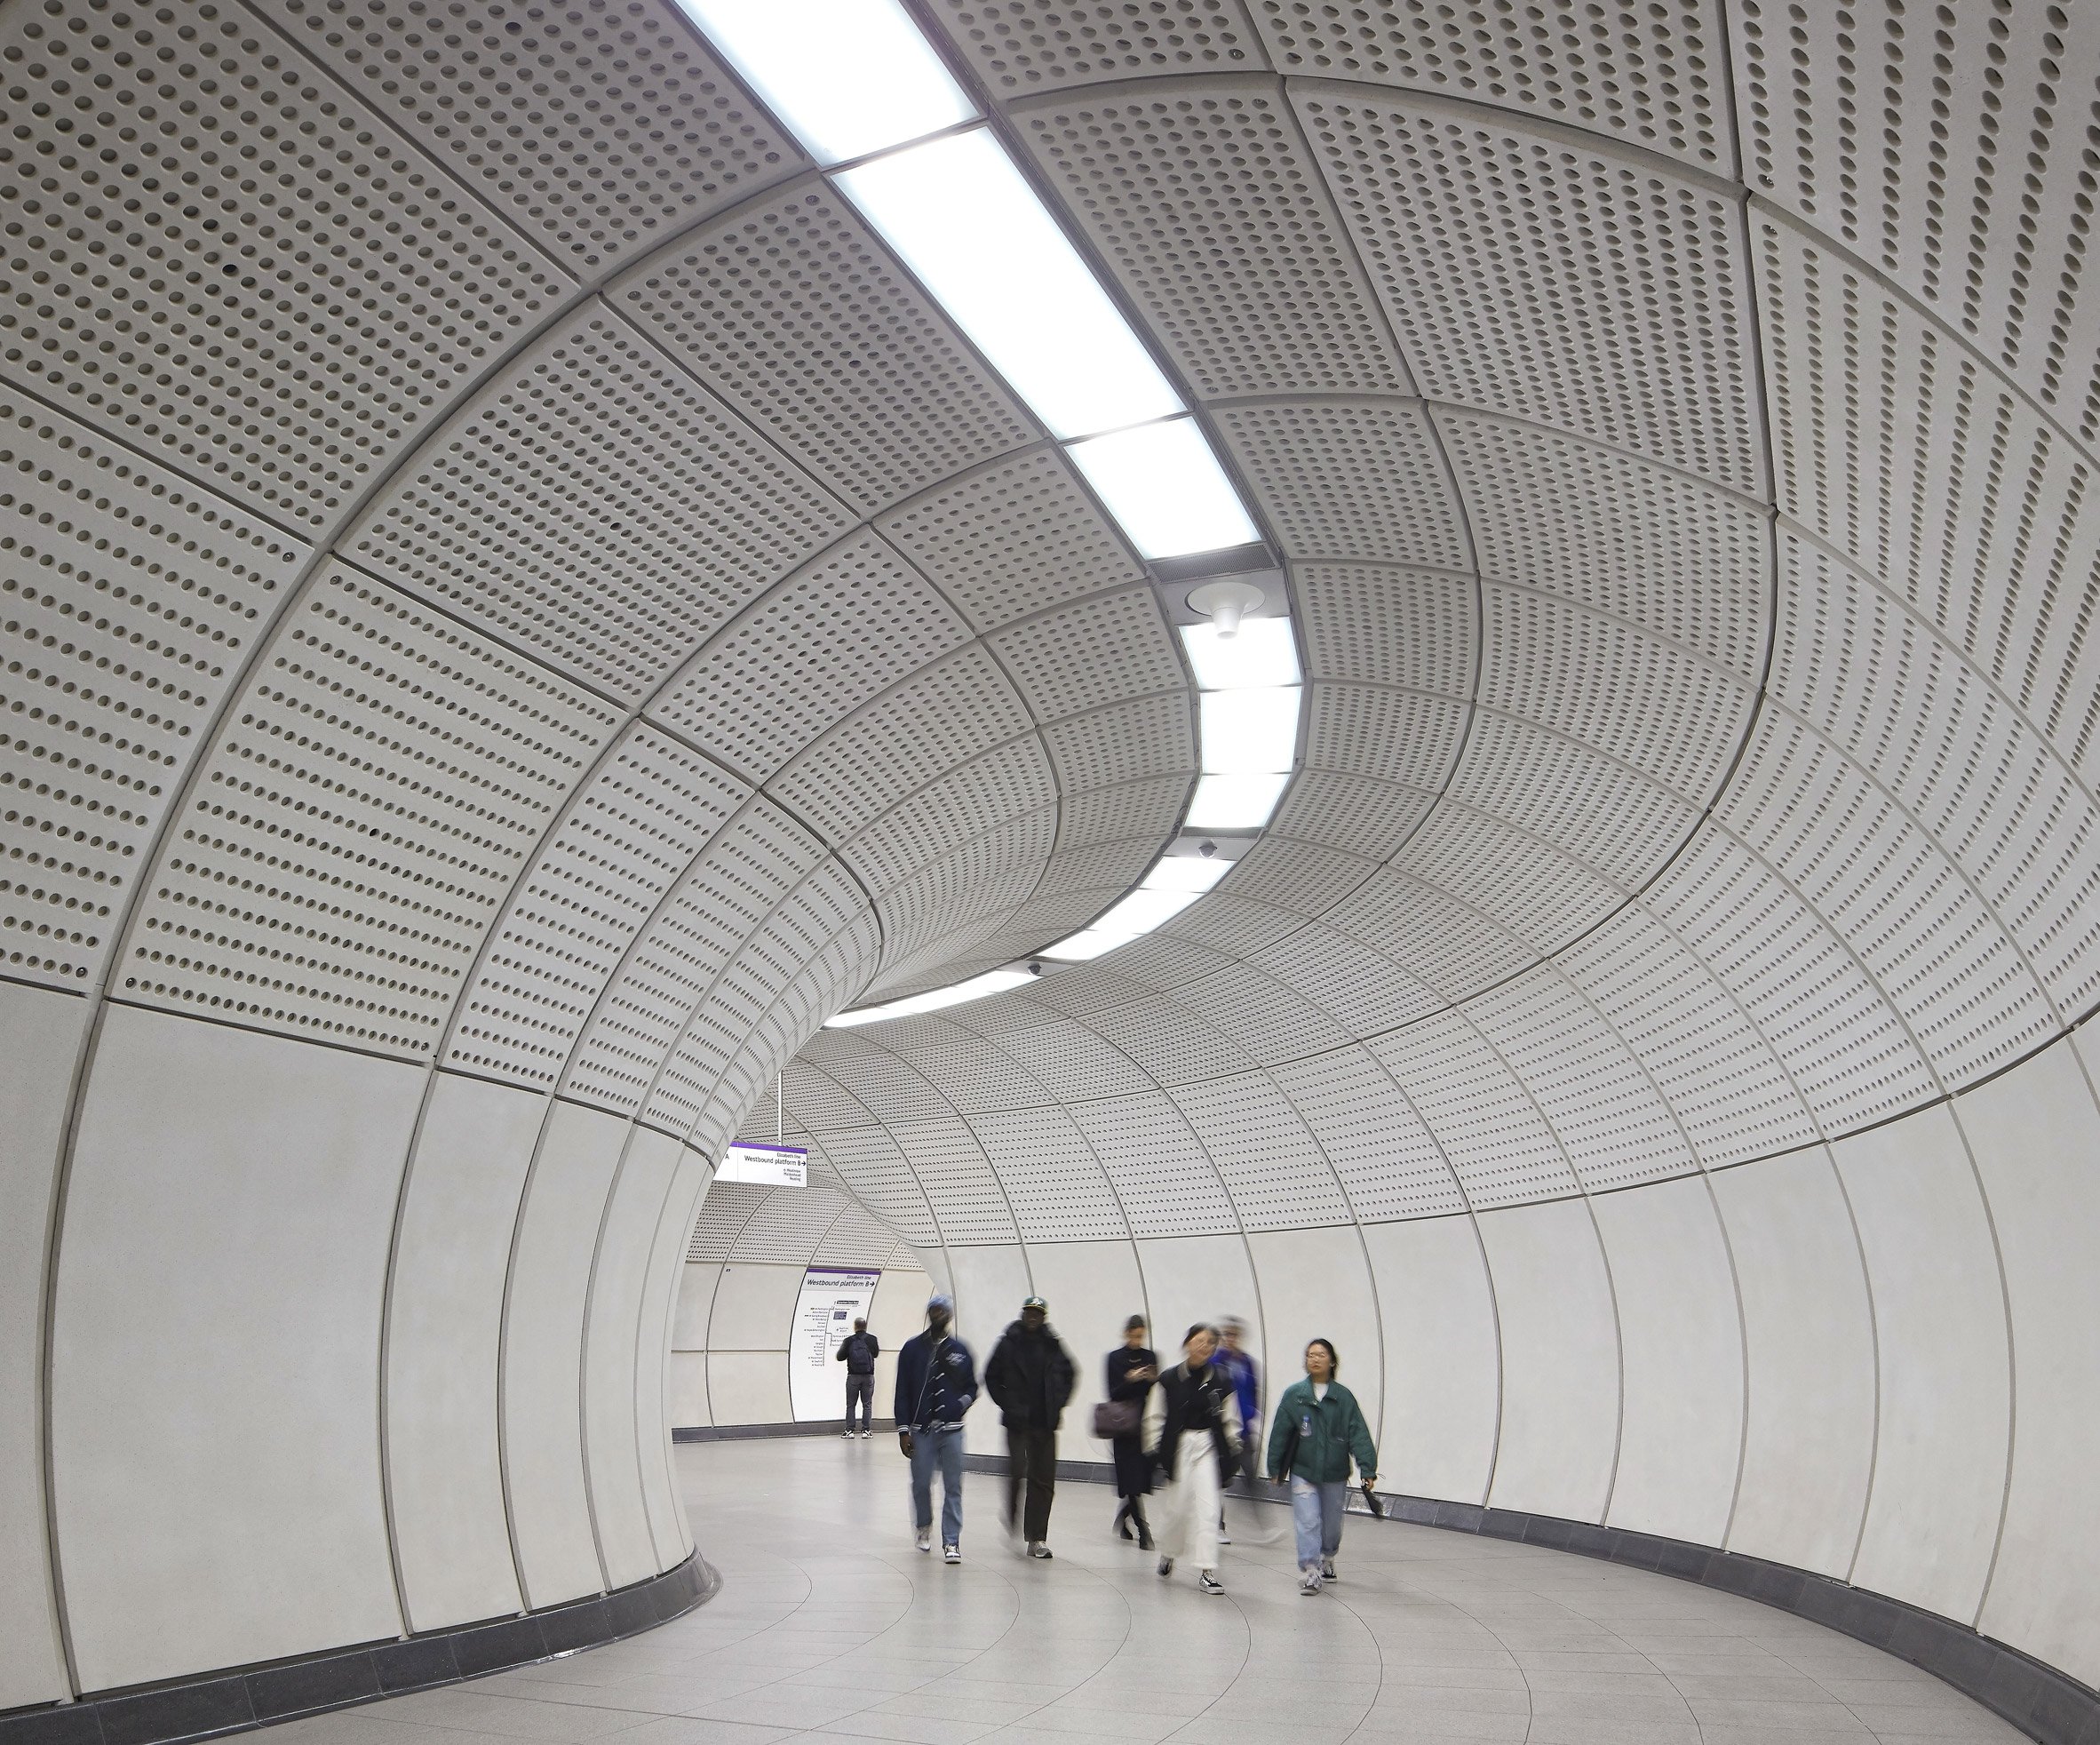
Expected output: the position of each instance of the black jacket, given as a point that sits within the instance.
(858, 1351)
(1030, 1377)
(1197, 1399)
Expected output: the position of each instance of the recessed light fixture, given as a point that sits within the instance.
(848, 77)
(1163, 485)
(993, 981)
(968, 223)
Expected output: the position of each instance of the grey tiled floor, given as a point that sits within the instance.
(830, 1626)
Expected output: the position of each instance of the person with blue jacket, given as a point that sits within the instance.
(937, 1385)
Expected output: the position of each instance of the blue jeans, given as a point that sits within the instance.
(942, 1448)
(1315, 1511)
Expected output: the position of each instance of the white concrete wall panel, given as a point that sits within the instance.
(543, 1342)
(1315, 1284)
(215, 1359)
(897, 1313)
(1092, 1288)
(1681, 1431)
(444, 1336)
(40, 1036)
(990, 1284)
(1442, 1387)
(612, 1383)
(2035, 1136)
(1945, 1388)
(1809, 1441)
(696, 1281)
(1560, 1361)
(662, 1301)
(754, 1311)
(749, 1387)
(689, 1391)
(1191, 1278)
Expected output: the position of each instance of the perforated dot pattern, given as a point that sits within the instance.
(955, 709)
(1278, 1175)
(1058, 1191)
(802, 658)
(600, 126)
(127, 599)
(1011, 539)
(378, 785)
(599, 508)
(1095, 652)
(1945, 145)
(1022, 46)
(1649, 75)
(1662, 551)
(1204, 202)
(1491, 1131)
(269, 294)
(1549, 280)
(631, 831)
(1380, 1151)
(1349, 479)
(797, 316)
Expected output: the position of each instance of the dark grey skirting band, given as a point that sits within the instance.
(2041, 1702)
(237, 1699)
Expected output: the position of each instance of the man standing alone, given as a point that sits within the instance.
(1029, 1379)
(858, 1351)
(937, 1385)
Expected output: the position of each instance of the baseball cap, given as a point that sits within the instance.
(1035, 1303)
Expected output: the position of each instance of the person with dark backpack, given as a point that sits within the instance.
(1030, 1378)
(858, 1351)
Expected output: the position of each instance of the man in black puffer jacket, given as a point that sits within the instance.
(1030, 1378)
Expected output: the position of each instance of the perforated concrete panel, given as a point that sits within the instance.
(600, 507)
(378, 785)
(795, 311)
(1206, 205)
(102, 551)
(245, 226)
(599, 128)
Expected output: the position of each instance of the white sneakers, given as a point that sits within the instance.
(926, 1539)
(1308, 1582)
(1327, 1569)
(1207, 1583)
(952, 1554)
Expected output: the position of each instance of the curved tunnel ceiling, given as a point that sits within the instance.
(506, 574)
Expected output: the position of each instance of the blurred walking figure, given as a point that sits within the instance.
(1030, 1378)
(1318, 1429)
(1237, 1368)
(1192, 1431)
(937, 1385)
(858, 1351)
(1131, 1369)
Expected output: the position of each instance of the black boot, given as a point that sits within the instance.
(1137, 1512)
(1122, 1527)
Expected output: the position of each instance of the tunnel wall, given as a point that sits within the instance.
(1875, 1359)
(340, 1350)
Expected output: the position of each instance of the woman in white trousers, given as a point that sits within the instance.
(1192, 1432)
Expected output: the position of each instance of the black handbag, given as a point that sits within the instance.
(1116, 1417)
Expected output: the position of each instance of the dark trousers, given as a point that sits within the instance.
(863, 1388)
(1031, 1476)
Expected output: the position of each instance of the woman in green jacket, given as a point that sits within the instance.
(1319, 1427)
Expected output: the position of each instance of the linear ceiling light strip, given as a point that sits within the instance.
(870, 100)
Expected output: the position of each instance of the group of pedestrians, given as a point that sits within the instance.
(1179, 1436)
